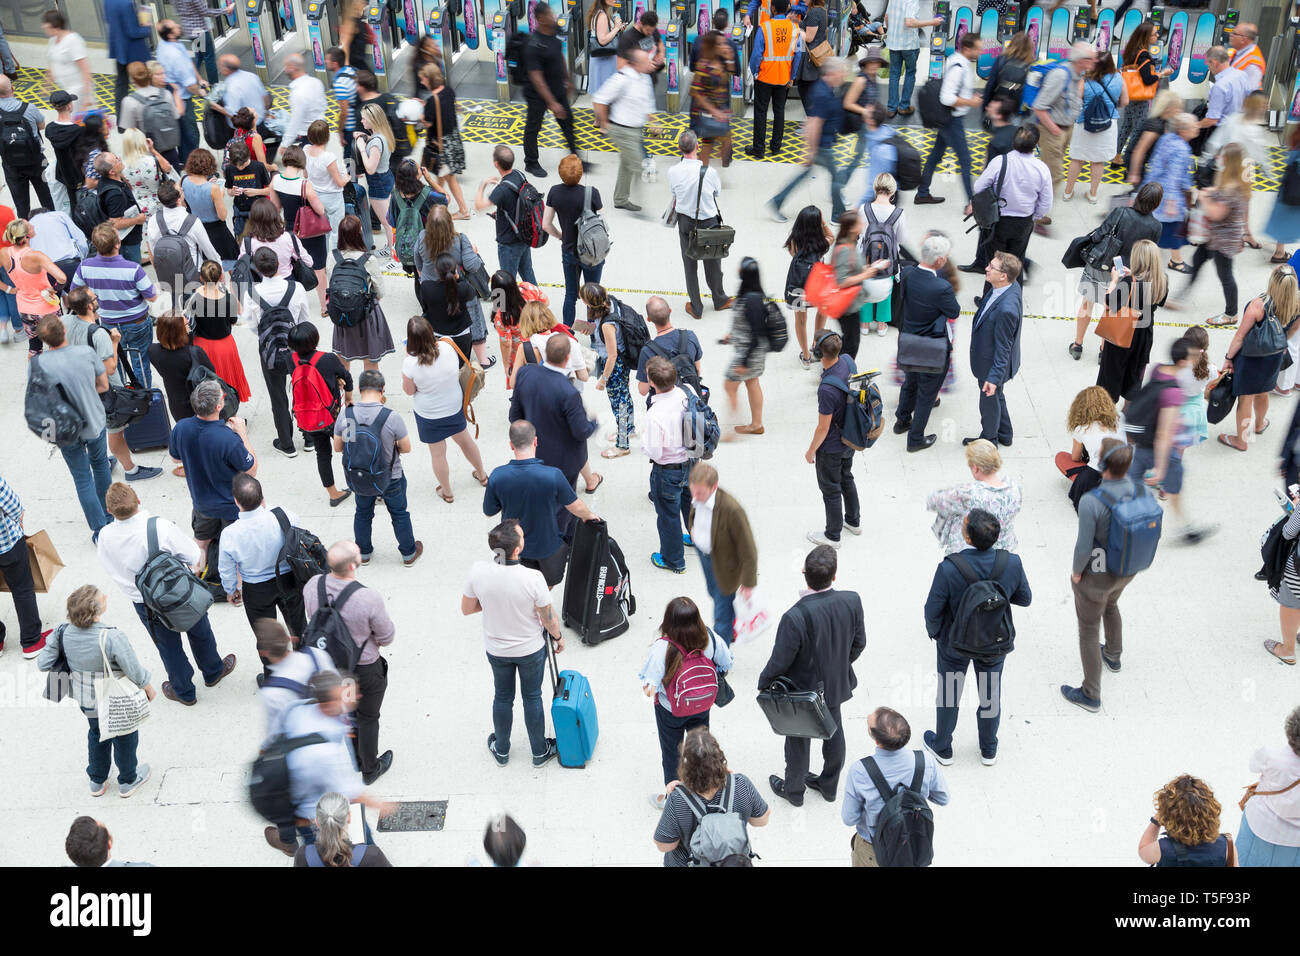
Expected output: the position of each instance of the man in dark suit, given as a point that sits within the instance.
(545, 396)
(995, 346)
(981, 560)
(928, 303)
(817, 641)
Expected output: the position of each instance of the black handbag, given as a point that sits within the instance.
(798, 713)
(303, 274)
(726, 694)
(1219, 401)
(986, 205)
(923, 354)
(478, 277)
(125, 404)
(708, 242)
(1073, 258)
(1266, 337)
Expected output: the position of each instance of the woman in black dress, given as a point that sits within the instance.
(1253, 377)
(1144, 290)
(445, 303)
(172, 357)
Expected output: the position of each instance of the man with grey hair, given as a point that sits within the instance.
(306, 101)
(696, 188)
(1246, 55)
(212, 452)
(1057, 107)
(623, 105)
(536, 495)
(825, 117)
(23, 157)
(118, 203)
(363, 612)
(1231, 86)
(957, 94)
(668, 343)
(928, 304)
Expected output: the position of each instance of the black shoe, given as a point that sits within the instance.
(901, 428)
(552, 751)
(1261, 575)
(534, 170)
(973, 268)
(928, 200)
(753, 153)
(1005, 444)
(813, 782)
(1076, 351)
(381, 767)
(979, 300)
(778, 787)
(774, 148)
(936, 403)
(967, 441)
(287, 450)
(924, 443)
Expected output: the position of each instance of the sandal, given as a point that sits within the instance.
(447, 498)
(179, 471)
(1280, 259)
(1260, 431)
(615, 452)
(1252, 243)
(1182, 267)
(599, 479)
(1222, 322)
(1271, 646)
(481, 479)
(1227, 440)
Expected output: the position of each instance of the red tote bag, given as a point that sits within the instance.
(822, 291)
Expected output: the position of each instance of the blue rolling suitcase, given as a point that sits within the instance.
(573, 713)
(155, 429)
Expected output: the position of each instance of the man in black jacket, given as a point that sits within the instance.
(928, 304)
(817, 642)
(981, 531)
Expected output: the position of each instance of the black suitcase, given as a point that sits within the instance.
(155, 429)
(598, 601)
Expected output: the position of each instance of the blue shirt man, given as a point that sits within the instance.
(243, 89)
(249, 560)
(179, 69)
(213, 453)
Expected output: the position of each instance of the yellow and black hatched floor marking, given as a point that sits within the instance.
(490, 121)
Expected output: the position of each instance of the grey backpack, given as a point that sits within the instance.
(159, 121)
(720, 837)
(173, 260)
(593, 240)
(170, 591)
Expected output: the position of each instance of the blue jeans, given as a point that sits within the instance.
(136, 339)
(724, 605)
(988, 684)
(952, 136)
(179, 672)
(516, 258)
(189, 131)
(131, 253)
(529, 668)
(205, 54)
(572, 269)
(672, 498)
(102, 753)
(9, 311)
(395, 502)
(897, 60)
(91, 474)
(825, 158)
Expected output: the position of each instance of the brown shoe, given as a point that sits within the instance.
(419, 550)
(272, 835)
(227, 665)
(750, 429)
(732, 301)
(691, 312)
(170, 693)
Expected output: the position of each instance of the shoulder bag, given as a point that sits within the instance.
(125, 404)
(58, 681)
(308, 223)
(986, 205)
(1117, 326)
(302, 273)
(478, 276)
(923, 354)
(1266, 337)
(1253, 791)
(120, 705)
(441, 167)
(798, 713)
(471, 376)
(708, 242)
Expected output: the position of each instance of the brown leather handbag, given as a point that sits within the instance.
(1252, 792)
(1117, 327)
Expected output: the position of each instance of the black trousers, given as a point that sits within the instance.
(916, 400)
(277, 386)
(851, 333)
(1010, 234)
(121, 84)
(533, 126)
(323, 444)
(839, 491)
(995, 420)
(372, 682)
(797, 751)
(552, 566)
(712, 267)
(765, 93)
(1222, 265)
(19, 178)
(278, 594)
(16, 566)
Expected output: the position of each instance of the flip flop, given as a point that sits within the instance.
(1260, 431)
(447, 498)
(1253, 243)
(1271, 646)
(599, 479)
(1224, 440)
(1279, 259)
(481, 479)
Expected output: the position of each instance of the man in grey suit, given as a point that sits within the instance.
(89, 844)
(995, 346)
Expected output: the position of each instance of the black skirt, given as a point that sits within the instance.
(221, 239)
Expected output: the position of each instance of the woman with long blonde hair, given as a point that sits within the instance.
(1143, 287)
(375, 143)
(1253, 377)
(142, 169)
(32, 276)
(1226, 209)
(1092, 419)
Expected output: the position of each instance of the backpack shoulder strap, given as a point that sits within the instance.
(683, 343)
(378, 423)
(694, 803)
(338, 256)
(877, 778)
(962, 565)
(285, 683)
(871, 215)
(918, 776)
(288, 296)
(190, 221)
(352, 588)
(586, 200)
(151, 533)
(728, 793)
(1000, 561)
(162, 223)
(893, 217)
(322, 597)
(283, 519)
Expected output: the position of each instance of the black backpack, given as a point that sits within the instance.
(350, 294)
(982, 628)
(273, 333)
(1011, 81)
(636, 335)
(242, 273)
(301, 550)
(328, 631)
(904, 831)
(933, 112)
(269, 786)
(1276, 550)
(680, 356)
(515, 58)
(1142, 412)
(50, 414)
(169, 589)
(530, 208)
(17, 144)
(199, 374)
(87, 210)
(402, 141)
(907, 169)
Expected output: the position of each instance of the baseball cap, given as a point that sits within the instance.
(61, 98)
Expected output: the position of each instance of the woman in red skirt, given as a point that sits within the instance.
(212, 311)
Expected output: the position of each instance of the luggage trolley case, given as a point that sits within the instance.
(598, 599)
(155, 429)
(573, 713)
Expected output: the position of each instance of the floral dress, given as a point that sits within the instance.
(953, 504)
(142, 176)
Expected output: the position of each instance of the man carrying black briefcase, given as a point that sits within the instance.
(810, 675)
(700, 230)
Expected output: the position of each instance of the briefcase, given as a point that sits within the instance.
(797, 713)
(923, 354)
(709, 242)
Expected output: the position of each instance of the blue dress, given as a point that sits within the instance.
(198, 196)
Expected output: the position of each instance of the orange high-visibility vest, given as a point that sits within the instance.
(778, 52)
(1254, 58)
(764, 12)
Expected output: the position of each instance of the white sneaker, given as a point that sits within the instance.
(988, 761)
(818, 537)
(882, 329)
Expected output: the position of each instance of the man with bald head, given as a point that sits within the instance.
(306, 100)
(242, 89)
(363, 612)
(24, 163)
(668, 342)
(1246, 55)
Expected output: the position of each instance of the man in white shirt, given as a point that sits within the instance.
(517, 617)
(902, 19)
(123, 549)
(623, 104)
(306, 101)
(173, 213)
(696, 203)
(55, 234)
(957, 92)
(663, 441)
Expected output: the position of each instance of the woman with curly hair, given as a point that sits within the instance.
(206, 198)
(1270, 820)
(1187, 810)
(1092, 419)
(703, 780)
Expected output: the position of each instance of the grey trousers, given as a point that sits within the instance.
(627, 139)
(712, 267)
(1096, 603)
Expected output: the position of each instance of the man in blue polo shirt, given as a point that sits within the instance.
(825, 116)
(534, 493)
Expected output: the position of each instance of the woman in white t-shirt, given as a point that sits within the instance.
(1092, 419)
(325, 173)
(431, 375)
(537, 323)
(877, 310)
(69, 68)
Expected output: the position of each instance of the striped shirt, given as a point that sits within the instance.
(344, 90)
(11, 513)
(121, 285)
(194, 15)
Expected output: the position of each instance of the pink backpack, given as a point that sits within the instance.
(695, 685)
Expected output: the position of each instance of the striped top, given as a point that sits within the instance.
(121, 285)
(194, 15)
(1290, 571)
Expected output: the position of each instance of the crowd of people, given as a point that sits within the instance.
(242, 233)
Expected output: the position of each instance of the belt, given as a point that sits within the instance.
(624, 125)
(131, 322)
(676, 467)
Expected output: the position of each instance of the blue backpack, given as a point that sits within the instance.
(366, 468)
(701, 431)
(1034, 81)
(1134, 531)
(864, 410)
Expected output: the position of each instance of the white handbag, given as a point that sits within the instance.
(120, 705)
(752, 616)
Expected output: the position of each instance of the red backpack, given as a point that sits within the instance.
(695, 685)
(314, 406)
